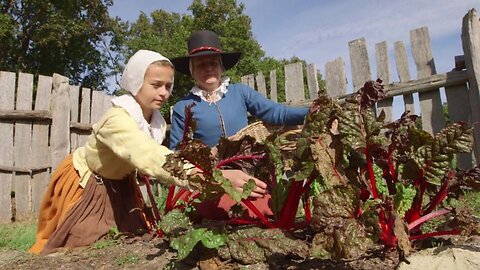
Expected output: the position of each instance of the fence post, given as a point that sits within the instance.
(261, 87)
(85, 113)
(430, 103)
(336, 78)
(312, 81)
(383, 72)
(74, 94)
(294, 89)
(401, 63)
(7, 101)
(471, 49)
(22, 149)
(97, 106)
(273, 85)
(249, 80)
(40, 150)
(359, 63)
(59, 142)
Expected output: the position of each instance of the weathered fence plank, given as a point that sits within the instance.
(97, 106)
(273, 85)
(22, 147)
(452, 78)
(312, 81)
(294, 89)
(7, 101)
(336, 78)
(74, 96)
(430, 103)
(84, 113)
(471, 49)
(107, 102)
(40, 150)
(383, 72)
(359, 63)
(401, 63)
(60, 134)
(249, 80)
(457, 97)
(261, 86)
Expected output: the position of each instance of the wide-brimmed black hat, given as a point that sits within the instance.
(201, 43)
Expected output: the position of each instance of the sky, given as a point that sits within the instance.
(318, 31)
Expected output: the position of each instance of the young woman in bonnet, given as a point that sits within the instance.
(95, 188)
(221, 107)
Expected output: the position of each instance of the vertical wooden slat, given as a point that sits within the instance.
(244, 80)
(107, 103)
(430, 103)
(97, 106)
(7, 101)
(312, 81)
(383, 72)
(84, 113)
(261, 86)
(471, 49)
(40, 150)
(249, 80)
(359, 63)
(273, 85)
(22, 147)
(294, 89)
(59, 138)
(336, 78)
(457, 97)
(74, 96)
(401, 62)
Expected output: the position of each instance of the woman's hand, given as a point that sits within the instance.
(238, 178)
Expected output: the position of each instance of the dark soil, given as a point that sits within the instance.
(155, 254)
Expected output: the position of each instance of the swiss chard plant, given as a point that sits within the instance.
(369, 183)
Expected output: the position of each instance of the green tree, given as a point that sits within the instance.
(167, 33)
(66, 37)
(227, 19)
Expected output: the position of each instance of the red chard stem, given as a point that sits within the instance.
(428, 217)
(371, 174)
(432, 234)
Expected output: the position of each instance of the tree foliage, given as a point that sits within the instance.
(167, 33)
(80, 40)
(47, 36)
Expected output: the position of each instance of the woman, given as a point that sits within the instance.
(95, 188)
(221, 108)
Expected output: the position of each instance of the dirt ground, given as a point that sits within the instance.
(155, 254)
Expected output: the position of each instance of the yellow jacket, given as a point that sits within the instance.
(117, 147)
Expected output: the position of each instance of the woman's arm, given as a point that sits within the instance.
(270, 111)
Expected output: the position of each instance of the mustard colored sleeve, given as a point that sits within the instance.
(121, 134)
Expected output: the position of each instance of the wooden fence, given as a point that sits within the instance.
(37, 135)
(461, 84)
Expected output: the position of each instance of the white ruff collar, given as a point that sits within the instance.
(216, 95)
(156, 129)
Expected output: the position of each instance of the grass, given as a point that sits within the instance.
(129, 259)
(18, 236)
(470, 199)
(105, 243)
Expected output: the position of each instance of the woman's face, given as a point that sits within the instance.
(207, 71)
(156, 87)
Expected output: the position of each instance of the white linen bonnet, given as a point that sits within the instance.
(134, 72)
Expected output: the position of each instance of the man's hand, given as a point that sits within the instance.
(238, 178)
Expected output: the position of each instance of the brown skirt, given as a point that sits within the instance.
(74, 217)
